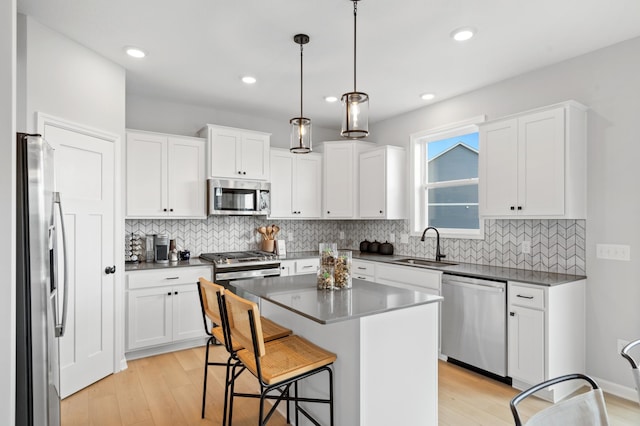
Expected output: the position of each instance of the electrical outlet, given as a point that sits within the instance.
(392, 237)
(341, 235)
(613, 252)
(622, 344)
(404, 238)
(525, 247)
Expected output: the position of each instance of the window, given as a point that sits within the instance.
(445, 178)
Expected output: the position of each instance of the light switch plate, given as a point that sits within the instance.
(526, 247)
(404, 238)
(613, 252)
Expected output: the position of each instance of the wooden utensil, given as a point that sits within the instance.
(276, 229)
(263, 231)
(269, 233)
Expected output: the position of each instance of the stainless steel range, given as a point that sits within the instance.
(242, 265)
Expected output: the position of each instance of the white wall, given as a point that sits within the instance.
(65, 79)
(181, 119)
(7, 211)
(608, 81)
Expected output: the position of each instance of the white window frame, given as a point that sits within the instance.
(417, 172)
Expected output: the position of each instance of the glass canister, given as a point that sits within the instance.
(328, 253)
(325, 278)
(342, 270)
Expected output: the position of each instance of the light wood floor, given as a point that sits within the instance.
(167, 390)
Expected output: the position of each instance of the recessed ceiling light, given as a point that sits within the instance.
(247, 79)
(330, 98)
(463, 34)
(427, 96)
(135, 52)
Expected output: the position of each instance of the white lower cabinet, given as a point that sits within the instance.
(409, 277)
(363, 270)
(163, 307)
(299, 266)
(546, 335)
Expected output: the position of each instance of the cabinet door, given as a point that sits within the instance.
(526, 344)
(373, 187)
(146, 175)
(254, 156)
(282, 182)
(224, 153)
(149, 317)
(498, 173)
(307, 195)
(541, 163)
(339, 181)
(287, 268)
(186, 173)
(187, 314)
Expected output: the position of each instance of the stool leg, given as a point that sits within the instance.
(227, 383)
(295, 400)
(206, 368)
(330, 393)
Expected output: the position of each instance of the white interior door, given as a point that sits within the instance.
(84, 176)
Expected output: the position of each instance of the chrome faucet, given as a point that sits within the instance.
(439, 256)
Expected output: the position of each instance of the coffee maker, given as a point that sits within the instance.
(161, 248)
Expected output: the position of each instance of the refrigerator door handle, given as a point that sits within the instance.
(61, 326)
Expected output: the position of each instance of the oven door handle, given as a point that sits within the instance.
(256, 273)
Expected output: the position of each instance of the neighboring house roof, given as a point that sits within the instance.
(462, 144)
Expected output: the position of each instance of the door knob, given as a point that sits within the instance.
(110, 270)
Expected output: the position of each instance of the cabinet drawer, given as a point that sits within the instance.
(363, 268)
(529, 297)
(307, 266)
(171, 276)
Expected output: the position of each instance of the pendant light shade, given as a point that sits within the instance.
(355, 116)
(300, 126)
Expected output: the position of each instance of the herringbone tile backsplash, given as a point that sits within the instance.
(556, 245)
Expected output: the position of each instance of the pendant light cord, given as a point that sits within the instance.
(355, 16)
(301, 77)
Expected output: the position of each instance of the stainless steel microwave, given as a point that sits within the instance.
(238, 197)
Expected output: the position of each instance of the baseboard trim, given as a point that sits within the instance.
(617, 390)
(157, 350)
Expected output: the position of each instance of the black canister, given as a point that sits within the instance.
(374, 247)
(364, 246)
(386, 248)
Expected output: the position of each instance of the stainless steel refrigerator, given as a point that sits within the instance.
(40, 284)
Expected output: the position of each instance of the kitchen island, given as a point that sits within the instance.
(386, 340)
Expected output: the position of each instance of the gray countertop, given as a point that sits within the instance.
(467, 269)
(299, 294)
(145, 266)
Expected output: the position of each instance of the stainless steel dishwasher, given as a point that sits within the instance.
(474, 322)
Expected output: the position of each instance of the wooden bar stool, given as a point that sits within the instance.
(277, 364)
(211, 295)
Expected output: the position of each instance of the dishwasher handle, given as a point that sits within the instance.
(476, 286)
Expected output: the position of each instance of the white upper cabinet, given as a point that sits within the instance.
(165, 176)
(341, 178)
(382, 183)
(296, 181)
(533, 165)
(236, 153)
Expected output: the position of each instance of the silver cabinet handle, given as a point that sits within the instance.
(361, 267)
(172, 278)
(307, 266)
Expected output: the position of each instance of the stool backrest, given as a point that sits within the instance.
(209, 292)
(244, 323)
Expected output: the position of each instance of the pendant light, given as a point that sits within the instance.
(300, 126)
(355, 119)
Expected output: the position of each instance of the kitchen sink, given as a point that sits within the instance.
(423, 262)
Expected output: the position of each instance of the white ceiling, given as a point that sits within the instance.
(199, 49)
